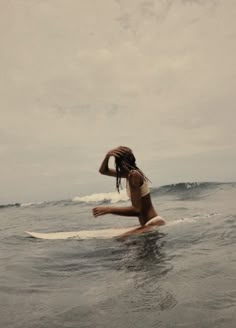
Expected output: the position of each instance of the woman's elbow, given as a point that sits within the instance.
(137, 210)
(101, 171)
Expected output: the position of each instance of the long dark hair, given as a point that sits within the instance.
(128, 161)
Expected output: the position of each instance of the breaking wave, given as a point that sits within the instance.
(190, 187)
(183, 191)
(112, 197)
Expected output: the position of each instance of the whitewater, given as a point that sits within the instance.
(182, 275)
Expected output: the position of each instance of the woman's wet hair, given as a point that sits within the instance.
(127, 161)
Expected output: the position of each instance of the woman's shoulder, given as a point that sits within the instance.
(135, 178)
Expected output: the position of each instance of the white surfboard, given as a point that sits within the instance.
(88, 234)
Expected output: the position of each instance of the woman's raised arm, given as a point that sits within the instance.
(104, 168)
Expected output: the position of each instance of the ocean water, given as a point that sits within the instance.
(183, 275)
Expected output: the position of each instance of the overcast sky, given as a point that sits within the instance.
(79, 77)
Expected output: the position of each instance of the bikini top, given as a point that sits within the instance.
(144, 189)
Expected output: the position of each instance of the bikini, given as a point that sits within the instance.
(145, 190)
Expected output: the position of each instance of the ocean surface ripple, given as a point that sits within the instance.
(182, 275)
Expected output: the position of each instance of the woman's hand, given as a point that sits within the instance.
(100, 210)
(118, 151)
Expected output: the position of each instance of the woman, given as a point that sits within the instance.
(137, 189)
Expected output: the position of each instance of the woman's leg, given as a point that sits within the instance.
(156, 221)
(137, 231)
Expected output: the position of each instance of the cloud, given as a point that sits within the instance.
(77, 80)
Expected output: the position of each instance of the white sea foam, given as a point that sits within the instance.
(30, 204)
(194, 219)
(113, 197)
(190, 185)
(26, 204)
(179, 221)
